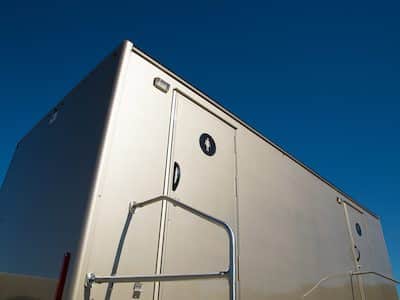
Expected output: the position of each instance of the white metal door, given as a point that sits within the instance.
(202, 175)
(358, 236)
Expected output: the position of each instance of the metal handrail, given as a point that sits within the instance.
(377, 274)
(351, 273)
(229, 274)
(322, 280)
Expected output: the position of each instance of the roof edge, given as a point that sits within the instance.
(155, 62)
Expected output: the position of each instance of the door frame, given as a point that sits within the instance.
(347, 206)
(167, 182)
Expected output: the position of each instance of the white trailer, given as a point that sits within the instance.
(229, 214)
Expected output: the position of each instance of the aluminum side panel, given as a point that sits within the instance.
(376, 287)
(132, 169)
(46, 190)
(292, 231)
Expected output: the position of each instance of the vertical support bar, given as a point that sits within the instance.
(167, 176)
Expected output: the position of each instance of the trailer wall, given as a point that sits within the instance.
(45, 193)
(291, 230)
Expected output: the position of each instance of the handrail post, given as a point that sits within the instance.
(232, 265)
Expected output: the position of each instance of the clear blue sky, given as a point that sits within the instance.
(320, 79)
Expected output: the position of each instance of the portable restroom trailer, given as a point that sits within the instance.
(138, 186)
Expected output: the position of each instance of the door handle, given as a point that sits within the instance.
(176, 176)
(358, 253)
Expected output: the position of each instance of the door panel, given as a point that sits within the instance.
(203, 176)
(358, 236)
(357, 231)
(371, 287)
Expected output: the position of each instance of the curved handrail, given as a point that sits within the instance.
(230, 273)
(351, 273)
